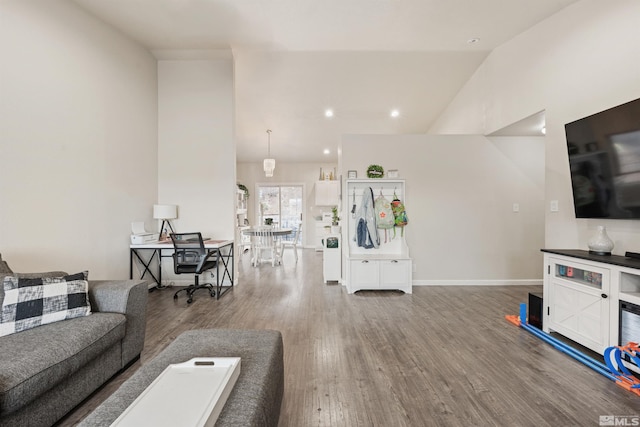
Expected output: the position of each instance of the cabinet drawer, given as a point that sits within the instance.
(364, 274)
(379, 274)
(395, 274)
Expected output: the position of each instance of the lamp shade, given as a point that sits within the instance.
(269, 166)
(165, 211)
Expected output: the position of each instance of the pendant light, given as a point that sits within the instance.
(269, 164)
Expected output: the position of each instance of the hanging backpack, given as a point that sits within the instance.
(399, 214)
(384, 214)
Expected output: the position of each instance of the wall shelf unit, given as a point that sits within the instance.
(242, 241)
(386, 267)
(327, 193)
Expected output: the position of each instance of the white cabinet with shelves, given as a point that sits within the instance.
(387, 267)
(582, 295)
(242, 241)
(322, 230)
(241, 207)
(327, 193)
(241, 202)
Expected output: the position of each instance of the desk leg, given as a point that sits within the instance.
(225, 260)
(146, 265)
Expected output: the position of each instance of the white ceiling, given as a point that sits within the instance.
(362, 58)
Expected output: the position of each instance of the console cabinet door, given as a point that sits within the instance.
(364, 274)
(321, 232)
(579, 303)
(395, 274)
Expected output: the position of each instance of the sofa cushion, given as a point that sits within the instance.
(5, 270)
(4, 267)
(29, 303)
(35, 360)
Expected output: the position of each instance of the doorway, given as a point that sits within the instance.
(281, 205)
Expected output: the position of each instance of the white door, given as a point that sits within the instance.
(281, 204)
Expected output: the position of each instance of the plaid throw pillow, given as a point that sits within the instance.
(33, 302)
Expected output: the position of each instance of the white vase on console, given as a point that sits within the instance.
(600, 243)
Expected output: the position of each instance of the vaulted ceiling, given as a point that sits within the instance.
(294, 59)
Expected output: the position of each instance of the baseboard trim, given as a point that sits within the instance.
(497, 282)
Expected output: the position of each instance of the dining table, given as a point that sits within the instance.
(252, 231)
(258, 245)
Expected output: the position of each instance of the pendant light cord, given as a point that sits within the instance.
(269, 143)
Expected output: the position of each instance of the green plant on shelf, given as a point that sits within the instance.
(335, 218)
(245, 189)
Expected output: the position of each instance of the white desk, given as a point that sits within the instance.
(224, 256)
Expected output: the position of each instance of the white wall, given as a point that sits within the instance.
(251, 174)
(196, 150)
(578, 62)
(196, 153)
(460, 191)
(78, 131)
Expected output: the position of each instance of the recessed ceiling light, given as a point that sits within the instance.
(327, 151)
(328, 112)
(394, 113)
(473, 40)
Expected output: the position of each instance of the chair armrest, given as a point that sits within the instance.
(128, 297)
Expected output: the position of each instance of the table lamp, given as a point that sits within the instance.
(166, 213)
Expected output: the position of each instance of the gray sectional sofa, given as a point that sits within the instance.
(48, 370)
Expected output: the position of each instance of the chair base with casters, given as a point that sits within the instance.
(194, 287)
(191, 257)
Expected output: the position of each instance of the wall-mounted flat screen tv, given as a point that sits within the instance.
(604, 158)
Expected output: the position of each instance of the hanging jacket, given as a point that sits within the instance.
(366, 229)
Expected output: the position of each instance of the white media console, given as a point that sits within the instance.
(583, 294)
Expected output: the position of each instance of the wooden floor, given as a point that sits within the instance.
(444, 356)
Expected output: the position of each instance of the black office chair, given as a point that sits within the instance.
(191, 257)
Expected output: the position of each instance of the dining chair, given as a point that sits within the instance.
(191, 257)
(263, 246)
(291, 243)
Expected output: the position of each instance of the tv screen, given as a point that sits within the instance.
(604, 159)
